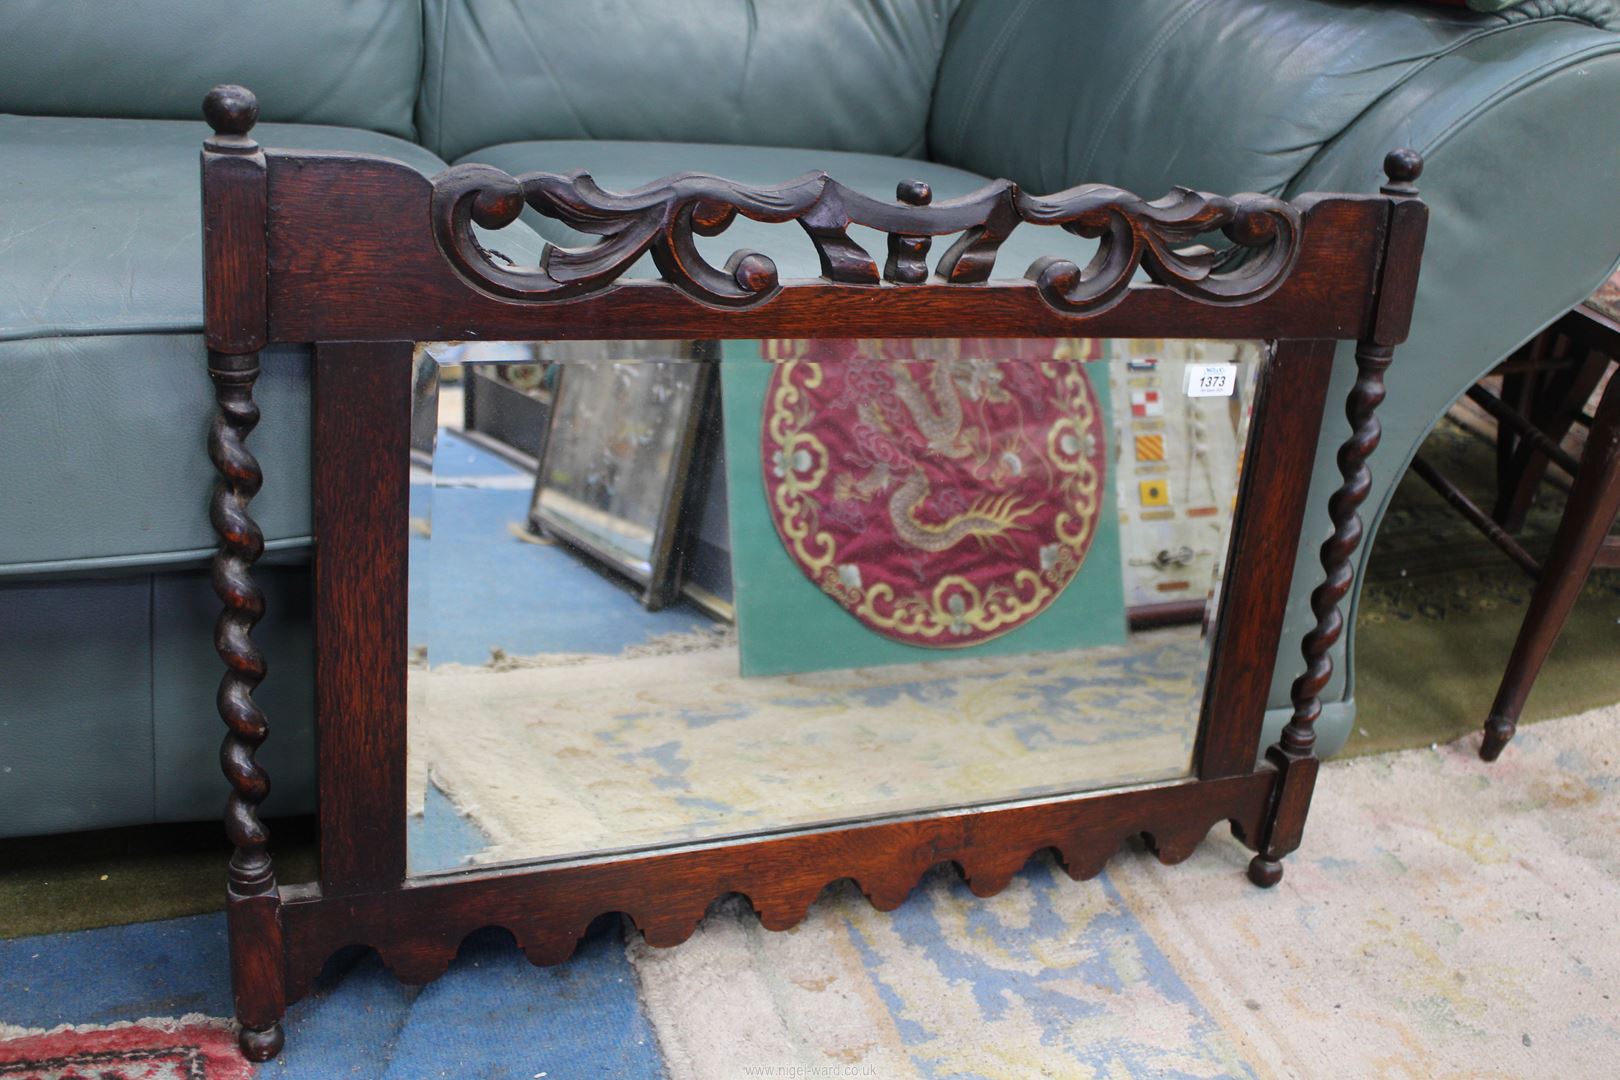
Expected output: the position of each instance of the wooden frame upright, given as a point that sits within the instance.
(361, 257)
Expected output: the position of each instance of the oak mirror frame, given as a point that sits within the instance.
(362, 257)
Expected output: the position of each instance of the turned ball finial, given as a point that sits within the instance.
(231, 110)
(914, 192)
(1403, 167)
(755, 273)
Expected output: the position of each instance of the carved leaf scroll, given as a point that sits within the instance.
(1161, 237)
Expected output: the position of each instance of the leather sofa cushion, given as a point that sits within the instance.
(349, 62)
(103, 445)
(102, 374)
(1224, 95)
(107, 714)
(101, 220)
(834, 74)
(619, 166)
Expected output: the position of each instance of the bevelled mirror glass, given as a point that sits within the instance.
(665, 592)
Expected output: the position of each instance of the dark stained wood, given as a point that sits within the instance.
(235, 278)
(664, 218)
(908, 253)
(1582, 541)
(1260, 567)
(1558, 389)
(234, 213)
(1523, 428)
(1285, 820)
(251, 894)
(363, 256)
(336, 276)
(1476, 517)
(1293, 755)
(1168, 613)
(1299, 735)
(418, 928)
(362, 430)
(258, 962)
(240, 545)
(1403, 254)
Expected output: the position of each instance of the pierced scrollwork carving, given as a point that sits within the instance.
(1161, 237)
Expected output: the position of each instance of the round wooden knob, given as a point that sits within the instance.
(231, 110)
(1403, 166)
(914, 193)
(755, 273)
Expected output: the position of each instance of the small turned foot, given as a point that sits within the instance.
(1265, 872)
(1498, 730)
(260, 1044)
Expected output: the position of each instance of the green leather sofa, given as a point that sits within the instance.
(107, 670)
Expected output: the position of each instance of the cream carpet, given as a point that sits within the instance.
(1445, 918)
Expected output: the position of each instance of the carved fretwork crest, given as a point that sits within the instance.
(1161, 237)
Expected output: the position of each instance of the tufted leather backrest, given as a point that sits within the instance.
(827, 74)
(1226, 95)
(355, 63)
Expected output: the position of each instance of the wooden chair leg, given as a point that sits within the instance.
(1558, 401)
(1507, 440)
(1593, 504)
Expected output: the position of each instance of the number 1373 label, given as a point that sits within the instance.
(1211, 380)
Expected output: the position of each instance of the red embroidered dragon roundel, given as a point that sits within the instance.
(943, 492)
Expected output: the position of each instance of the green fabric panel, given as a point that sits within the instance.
(834, 74)
(75, 706)
(350, 62)
(101, 220)
(1507, 191)
(787, 624)
(1225, 95)
(619, 166)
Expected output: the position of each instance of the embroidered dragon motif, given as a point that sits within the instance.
(881, 464)
(940, 422)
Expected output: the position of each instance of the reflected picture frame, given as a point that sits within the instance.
(360, 257)
(662, 401)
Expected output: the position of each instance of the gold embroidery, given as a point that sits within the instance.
(954, 607)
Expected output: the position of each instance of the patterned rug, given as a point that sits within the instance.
(663, 748)
(1444, 918)
(192, 1048)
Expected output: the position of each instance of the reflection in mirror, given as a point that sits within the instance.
(665, 592)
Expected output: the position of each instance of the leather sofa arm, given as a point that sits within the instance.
(1522, 175)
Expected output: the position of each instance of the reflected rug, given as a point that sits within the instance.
(1444, 918)
(191, 1048)
(580, 757)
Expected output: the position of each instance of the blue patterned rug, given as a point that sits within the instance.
(1445, 918)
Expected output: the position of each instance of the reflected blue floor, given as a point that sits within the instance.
(441, 839)
(488, 589)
